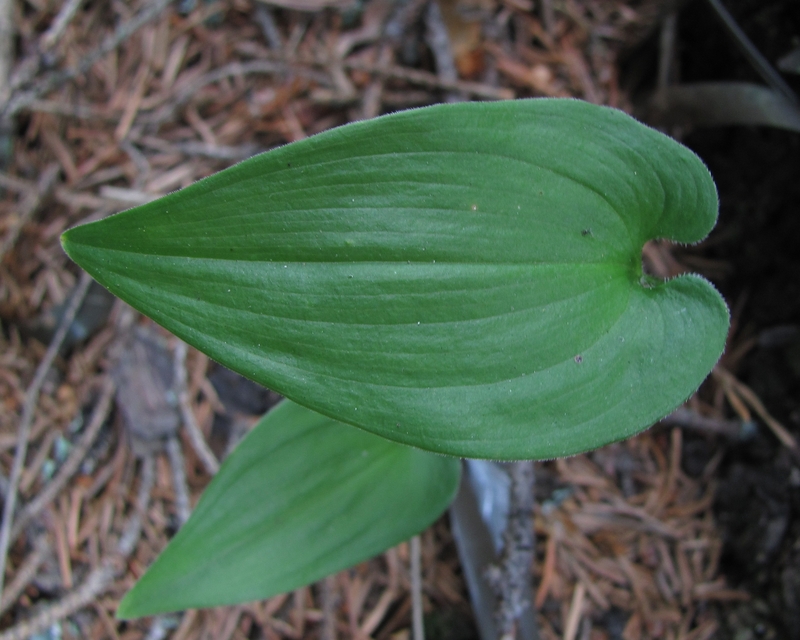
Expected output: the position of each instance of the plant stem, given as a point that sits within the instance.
(515, 564)
(418, 628)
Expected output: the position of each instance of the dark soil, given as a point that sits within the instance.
(758, 501)
(757, 171)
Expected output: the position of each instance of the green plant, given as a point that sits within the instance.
(465, 279)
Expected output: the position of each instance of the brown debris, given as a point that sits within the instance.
(118, 103)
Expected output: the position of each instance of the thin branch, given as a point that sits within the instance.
(62, 20)
(196, 437)
(218, 152)
(76, 599)
(28, 410)
(268, 27)
(735, 429)
(182, 504)
(431, 81)
(575, 612)
(438, 39)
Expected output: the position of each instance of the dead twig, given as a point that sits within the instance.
(735, 429)
(575, 611)
(439, 42)
(183, 507)
(83, 595)
(31, 399)
(62, 20)
(431, 81)
(512, 578)
(268, 27)
(199, 443)
(218, 152)
(373, 93)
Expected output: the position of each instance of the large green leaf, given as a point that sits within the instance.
(301, 497)
(464, 278)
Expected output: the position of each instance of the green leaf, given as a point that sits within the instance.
(301, 497)
(463, 278)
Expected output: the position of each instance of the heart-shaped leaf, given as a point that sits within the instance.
(301, 497)
(464, 278)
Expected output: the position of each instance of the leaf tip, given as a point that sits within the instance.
(69, 243)
(127, 609)
(144, 599)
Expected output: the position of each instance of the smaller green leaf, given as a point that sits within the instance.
(303, 496)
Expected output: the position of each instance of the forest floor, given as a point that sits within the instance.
(689, 530)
